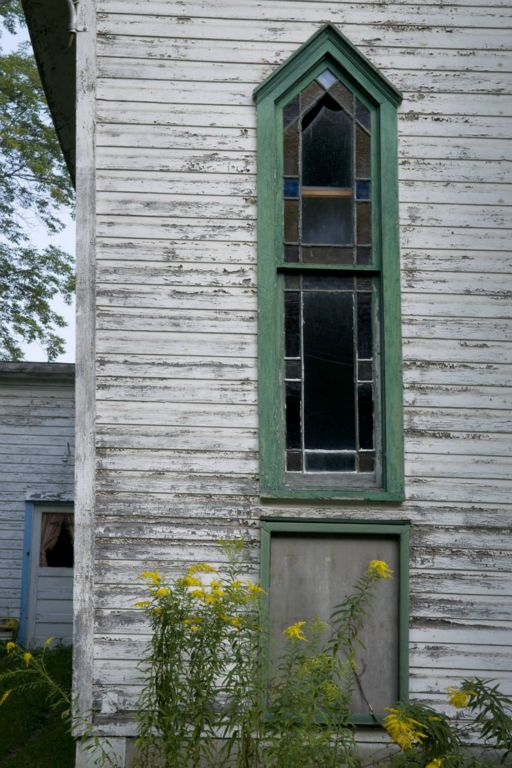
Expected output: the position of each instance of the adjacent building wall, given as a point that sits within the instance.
(37, 436)
(176, 329)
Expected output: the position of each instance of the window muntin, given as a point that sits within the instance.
(330, 319)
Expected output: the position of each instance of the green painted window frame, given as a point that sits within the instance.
(397, 529)
(328, 48)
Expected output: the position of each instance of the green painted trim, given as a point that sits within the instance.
(284, 267)
(399, 530)
(404, 613)
(327, 46)
(329, 38)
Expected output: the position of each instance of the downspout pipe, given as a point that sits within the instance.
(72, 27)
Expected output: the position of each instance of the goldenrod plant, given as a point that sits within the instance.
(428, 738)
(210, 699)
(28, 673)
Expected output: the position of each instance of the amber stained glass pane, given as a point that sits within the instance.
(366, 461)
(291, 151)
(364, 224)
(326, 255)
(364, 326)
(291, 254)
(363, 164)
(362, 114)
(343, 96)
(291, 112)
(291, 221)
(293, 415)
(363, 255)
(293, 461)
(310, 95)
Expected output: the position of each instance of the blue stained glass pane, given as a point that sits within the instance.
(327, 79)
(362, 190)
(291, 187)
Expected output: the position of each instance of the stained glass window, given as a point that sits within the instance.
(327, 172)
(330, 381)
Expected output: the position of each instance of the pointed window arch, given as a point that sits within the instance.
(328, 277)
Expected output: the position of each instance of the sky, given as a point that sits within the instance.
(66, 240)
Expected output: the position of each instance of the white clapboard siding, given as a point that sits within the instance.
(36, 461)
(176, 318)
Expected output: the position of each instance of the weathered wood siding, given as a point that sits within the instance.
(176, 385)
(37, 435)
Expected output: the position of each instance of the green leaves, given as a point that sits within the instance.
(34, 190)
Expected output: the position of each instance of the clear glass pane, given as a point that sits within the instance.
(328, 340)
(327, 146)
(327, 221)
(330, 462)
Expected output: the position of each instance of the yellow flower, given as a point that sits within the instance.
(10, 646)
(295, 631)
(215, 583)
(435, 763)
(256, 589)
(162, 591)
(157, 611)
(210, 599)
(458, 698)
(237, 584)
(405, 731)
(5, 696)
(194, 628)
(201, 568)
(191, 581)
(142, 604)
(153, 576)
(217, 592)
(26, 658)
(380, 569)
(48, 641)
(235, 622)
(199, 594)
